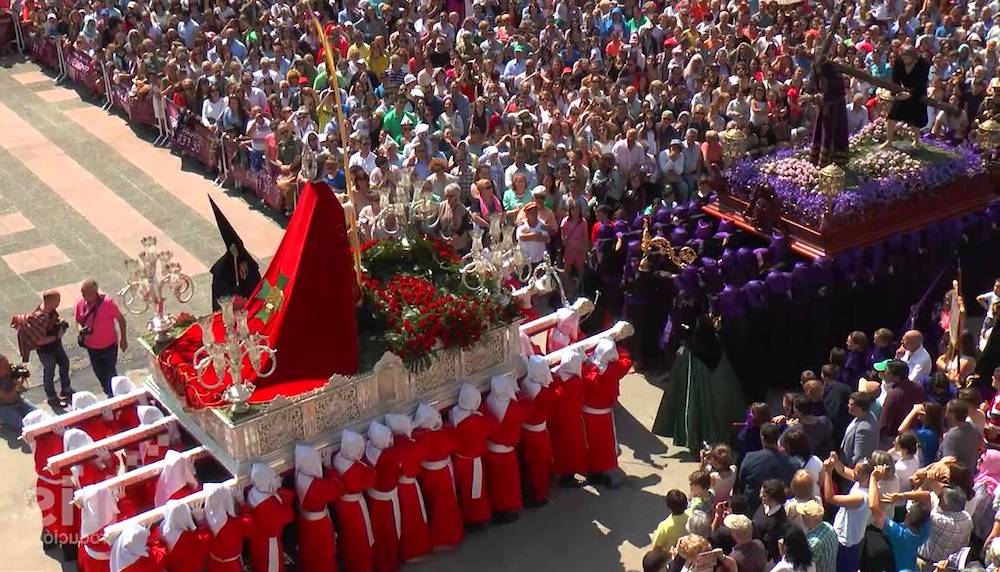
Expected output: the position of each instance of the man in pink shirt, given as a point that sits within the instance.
(96, 314)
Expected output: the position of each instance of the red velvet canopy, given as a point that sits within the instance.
(304, 305)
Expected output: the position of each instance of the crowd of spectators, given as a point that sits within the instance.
(558, 114)
(895, 469)
(602, 104)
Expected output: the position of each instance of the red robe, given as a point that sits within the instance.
(189, 552)
(317, 546)
(92, 472)
(503, 472)
(437, 483)
(270, 517)
(470, 477)
(536, 444)
(151, 563)
(356, 536)
(225, 549)
(53, 493)
(569, 442)
(97, 427)
(155, 449)
(415, 540)
(126, 417)
(600, 394)
(383, 505)
(93, 553)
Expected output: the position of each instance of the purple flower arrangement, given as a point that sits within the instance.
(875, 178)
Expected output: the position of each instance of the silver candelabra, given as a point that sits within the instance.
(409, 204)
(151, 276)
(503, 258)
(229, 353)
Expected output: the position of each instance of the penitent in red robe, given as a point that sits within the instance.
(415, 535)
(569, 442)
(270, 517)
(54, 493)
(437, 483)
(94, 554)
(600, 394)
(356, 536)
(317, 539)
(503, 472)
(225, 549)
(383, 504)
(189, 552)
(470, 477)
(536, 444)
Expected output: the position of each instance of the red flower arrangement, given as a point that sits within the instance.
(421, 318)
(414, 302)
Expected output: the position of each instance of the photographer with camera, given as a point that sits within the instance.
(13, 407)
(42, 331)
(97, 314)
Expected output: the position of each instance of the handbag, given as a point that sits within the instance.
(81, 336)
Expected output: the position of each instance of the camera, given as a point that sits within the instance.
(19, 373)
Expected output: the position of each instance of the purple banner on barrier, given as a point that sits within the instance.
(80, 69)
(191, 138)
(119, 97)
(267, 188)
(43, 51)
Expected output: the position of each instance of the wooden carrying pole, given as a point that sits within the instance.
(582, 306)
(112, 443)
(142, 473)
(617, 332)
(71, 418)
(154, 515)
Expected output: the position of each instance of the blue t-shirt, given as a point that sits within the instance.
(929, 442)
(904, 543)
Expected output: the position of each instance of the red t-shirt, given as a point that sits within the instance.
(102, 323)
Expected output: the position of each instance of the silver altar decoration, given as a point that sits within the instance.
(504, 258)
(238, 345)
(151, 277)
(410, 204)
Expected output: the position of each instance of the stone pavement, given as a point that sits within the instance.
(79, 187)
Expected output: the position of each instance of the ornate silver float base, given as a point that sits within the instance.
(344, 402)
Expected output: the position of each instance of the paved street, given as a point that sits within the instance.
(79, 187)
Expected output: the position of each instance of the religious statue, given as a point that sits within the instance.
(830, 141)
(909, 106)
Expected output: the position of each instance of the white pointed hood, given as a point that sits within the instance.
(177, 520)
(264, 484)
(570, 364)
(567, 329)
(98, 508)
(400, 425)
(379, 439)
(469, 400)
(219, 506)
(352, 449)
(539, 375)
(502, 391)
(308, 466)
(129, 547)
(605, 353)
(176, 473)
(121, 385)
(427, 417)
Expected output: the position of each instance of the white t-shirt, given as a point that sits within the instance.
(534, 250)
(850, 523)
(904, 470)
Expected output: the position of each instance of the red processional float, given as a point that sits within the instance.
(399, 390)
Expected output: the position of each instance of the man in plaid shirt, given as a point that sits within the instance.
(951, 526)
(41, 331)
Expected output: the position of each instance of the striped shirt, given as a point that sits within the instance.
(824, 545)
(394, 78)
(31, 328)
